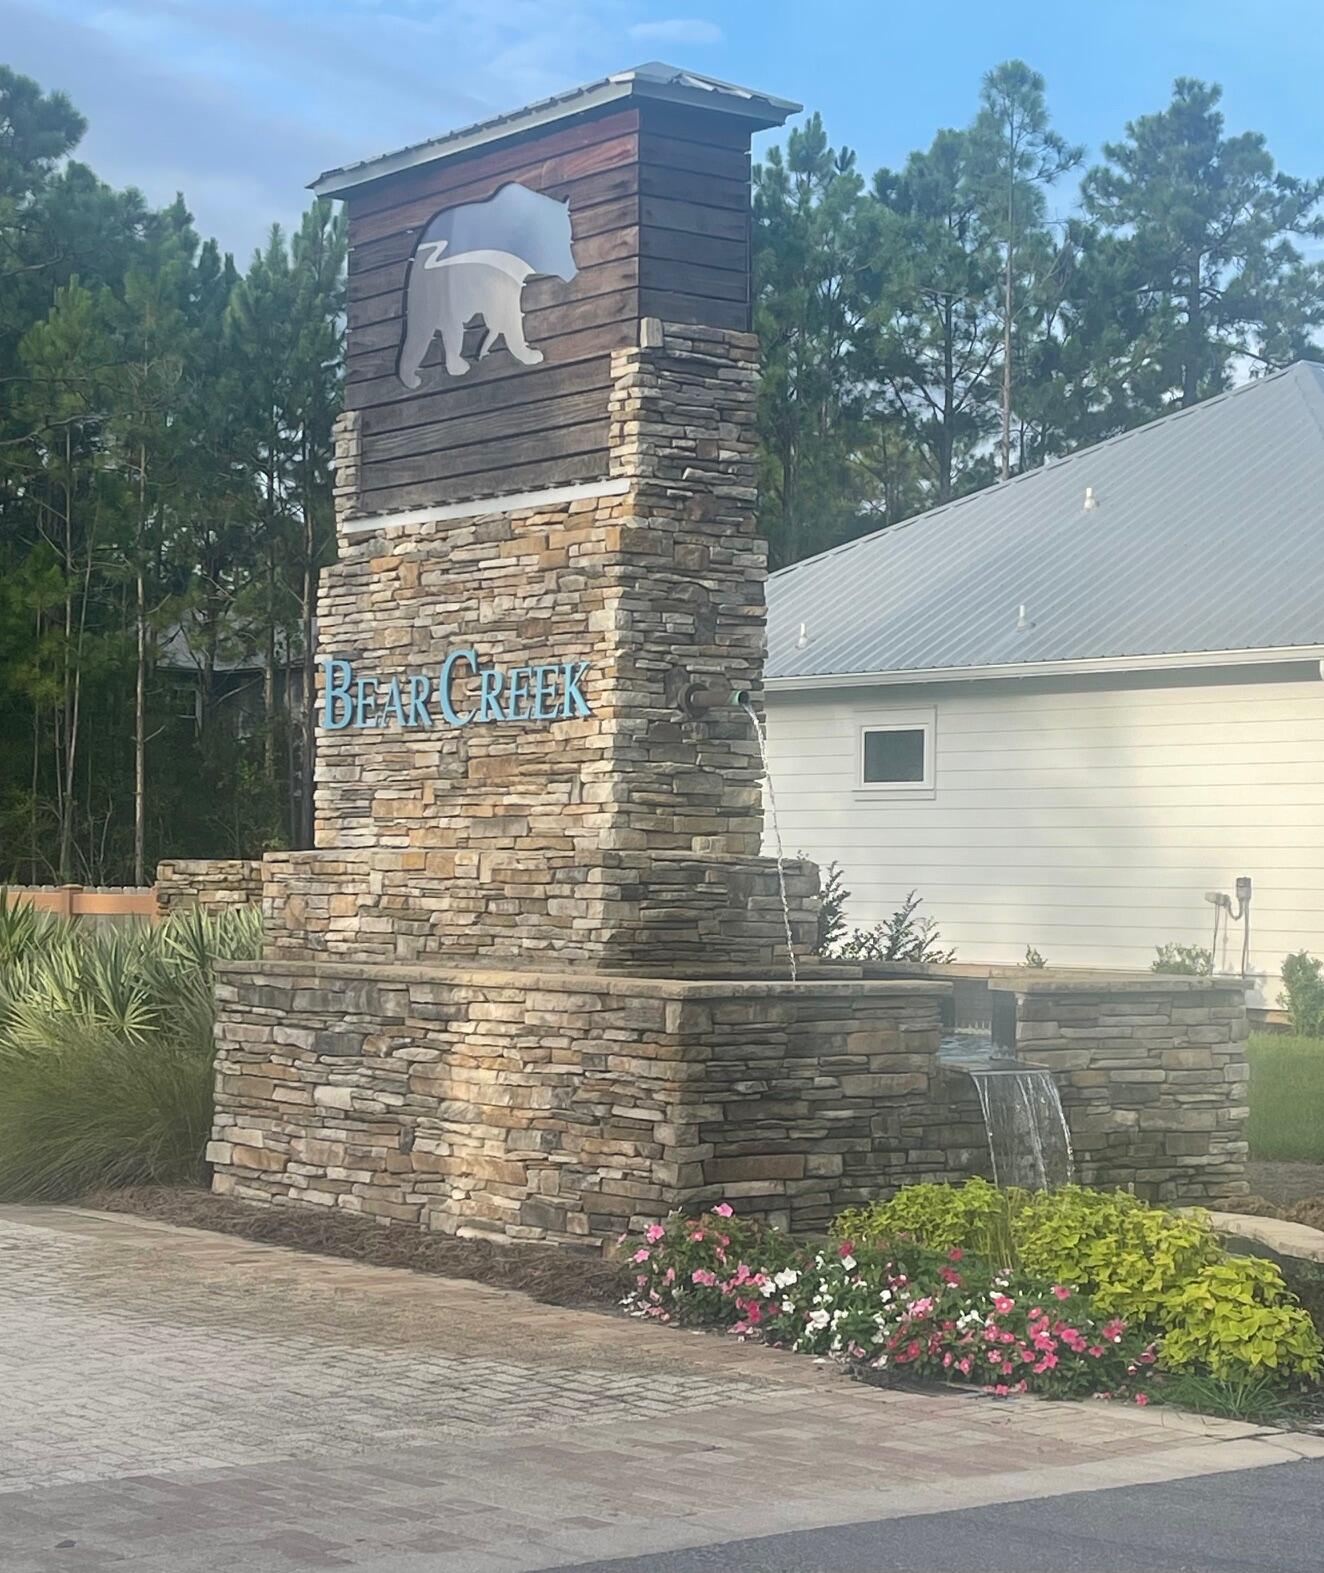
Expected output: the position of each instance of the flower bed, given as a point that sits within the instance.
(1072, 1294)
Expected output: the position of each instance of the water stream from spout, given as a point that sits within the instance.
(761, 734)
(1028, 1140)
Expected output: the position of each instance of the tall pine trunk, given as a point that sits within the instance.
(1006, 324)
(140, 684)
(1190, 382)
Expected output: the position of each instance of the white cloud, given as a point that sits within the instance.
(678, 30)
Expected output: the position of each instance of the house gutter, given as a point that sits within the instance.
(1089, 666)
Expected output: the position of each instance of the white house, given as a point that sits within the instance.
(1065, 708)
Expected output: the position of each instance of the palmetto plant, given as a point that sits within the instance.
(106, 1049)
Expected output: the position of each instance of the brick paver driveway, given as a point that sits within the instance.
(172, 1400)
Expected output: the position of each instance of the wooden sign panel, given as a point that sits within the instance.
(635, 209)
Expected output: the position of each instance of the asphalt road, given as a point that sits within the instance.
(1250, 1521)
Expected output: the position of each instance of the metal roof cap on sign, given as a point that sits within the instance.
(1196, 538)
(655, 80)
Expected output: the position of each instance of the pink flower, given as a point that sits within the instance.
(654, 1233)
(704, 1277)
(1142, 1399)
(1061, 1292)
(670, 1276)
(1001, 1304)
(723, 1209)
(956, 1254)
(642, 1254)
(845, 1249)
(1002, 1390)
(697, 1235)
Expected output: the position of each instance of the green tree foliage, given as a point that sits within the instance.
(938, 337)
(940, 326)
(165, 447)
(1016, 156)
(816, 260)
(1209, 223)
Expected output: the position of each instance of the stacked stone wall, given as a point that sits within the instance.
(1153, 1081)
(627, 838)
(568, 1107)
(209, 883)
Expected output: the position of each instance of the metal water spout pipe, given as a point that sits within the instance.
(698, 699)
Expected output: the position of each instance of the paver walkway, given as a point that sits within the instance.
(172, 1400)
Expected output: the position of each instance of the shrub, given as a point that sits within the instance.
(1189, 961)
(106, 1053)
(1033, 958)
(831, 910)
(975, 1216)
(1286, 1098)
(1232, 1317)
(1303, 994)
(902, 937)
(1163, 1272)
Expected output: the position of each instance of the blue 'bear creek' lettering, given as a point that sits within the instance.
(535, 694)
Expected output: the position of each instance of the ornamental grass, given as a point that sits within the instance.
(106, 1049)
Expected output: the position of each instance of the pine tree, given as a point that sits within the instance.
(939, 311)
(1018, 156)
(816, 287)
(1210, 225)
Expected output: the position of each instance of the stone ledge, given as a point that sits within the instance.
(1054, 980)
(1276, 1234)
(578, 980)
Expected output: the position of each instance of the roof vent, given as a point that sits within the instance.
(1091, 501)
(802, 638)
(1023, 622)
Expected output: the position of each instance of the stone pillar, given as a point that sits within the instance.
(629, 837)
(1153, 1079)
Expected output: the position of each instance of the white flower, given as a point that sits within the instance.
(788, 1306)
(885, 1296)
(786, 1278)
(818, 1320)
(768, 1289)
(848, 1262)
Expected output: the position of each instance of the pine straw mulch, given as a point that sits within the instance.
(1309, 1211)
(550, 1273)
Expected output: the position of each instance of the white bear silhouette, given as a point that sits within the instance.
(473, 261)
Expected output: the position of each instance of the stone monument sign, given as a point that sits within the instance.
(533, 981)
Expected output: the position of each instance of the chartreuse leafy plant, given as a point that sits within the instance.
(975, 1216)
(1161, 1271)
(1235, 1317)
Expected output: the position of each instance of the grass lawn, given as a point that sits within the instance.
(1286, 1098)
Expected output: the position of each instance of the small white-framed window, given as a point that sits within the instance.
(895, 753)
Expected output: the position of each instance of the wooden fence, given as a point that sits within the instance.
(95, 901)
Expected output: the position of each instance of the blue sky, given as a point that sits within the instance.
(239, 104)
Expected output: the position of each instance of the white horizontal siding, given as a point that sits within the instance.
(1086, 819)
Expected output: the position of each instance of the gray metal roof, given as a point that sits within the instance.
(1206, 535)
(654, 80)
